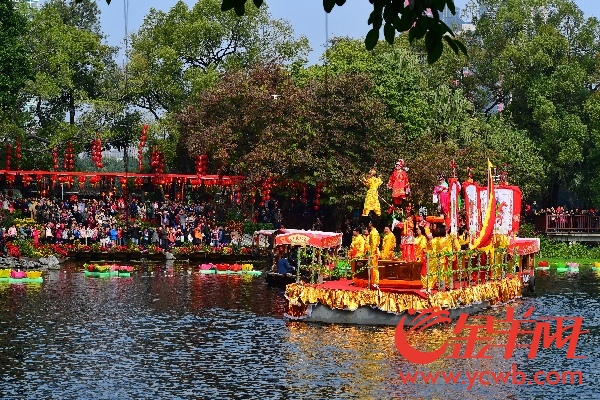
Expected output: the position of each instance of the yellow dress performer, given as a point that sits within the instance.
(420, 245)
(374, 249)
(389, 244)
(372, 199)
(357, 247)
(437, 263)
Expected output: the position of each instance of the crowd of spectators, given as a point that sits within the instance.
(111, 221)
(562, 217)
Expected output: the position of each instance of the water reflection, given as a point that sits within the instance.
(170, 332)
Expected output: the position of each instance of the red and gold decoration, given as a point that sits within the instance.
(318, 195)
(69, 160)
(141, 148)
(157, 161)
(18, 153)
(97, 153)
(201, 164)
(8, 155)
(300, 296)
(55, 159)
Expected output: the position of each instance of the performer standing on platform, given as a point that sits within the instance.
(374, 249)
(441, 196)
(407, 241)
(357, 247)
(388, 244)
(420, 243)
(372, 198)
(399, 183)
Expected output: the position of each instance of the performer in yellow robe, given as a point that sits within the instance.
(420, 244)
(357, 247)
(388, 246)
(374, 250)
(372, 198)
(438, 265)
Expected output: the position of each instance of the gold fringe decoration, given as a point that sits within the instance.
(300, 295)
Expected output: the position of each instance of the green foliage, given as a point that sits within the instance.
(69, 61)
(567, 250)
(7, 218)
(420, 18)
(178, 54)
(26, 248)
(539, 60)
(14, 63)
(251, 227)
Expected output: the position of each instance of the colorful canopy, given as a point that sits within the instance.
(525, 246)
(309, 238)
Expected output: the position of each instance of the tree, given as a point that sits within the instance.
(260, 124)
(420, 18)
(177, 54)
(539, 60)
(14, 63)
(68, 64)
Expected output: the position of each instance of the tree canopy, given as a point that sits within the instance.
(239, 90)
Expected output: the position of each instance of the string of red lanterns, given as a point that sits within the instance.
(157, 161)
(141, 148)
(201, 164)
(18, 153)
(8, 155)
(69, 160)
(55, 159)
(97, 153)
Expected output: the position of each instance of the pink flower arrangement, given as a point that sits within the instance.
(122, 268)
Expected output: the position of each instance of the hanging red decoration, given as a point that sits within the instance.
(18, 153)
(201, 164)
(157, 161)
(26, 179)
(55, 158)
(97, 153)
(69, 161)
(10, 179)
(141, 147)
(8, 156)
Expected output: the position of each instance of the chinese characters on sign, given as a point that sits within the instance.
(563, 332)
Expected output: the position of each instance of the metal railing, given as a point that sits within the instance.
(568, 223)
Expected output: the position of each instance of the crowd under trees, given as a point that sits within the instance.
(240, 90)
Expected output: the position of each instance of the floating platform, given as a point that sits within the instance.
(340, 302)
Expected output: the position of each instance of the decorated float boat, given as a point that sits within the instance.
(495, 268)
(15, 276)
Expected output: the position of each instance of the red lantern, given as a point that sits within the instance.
(316, 208)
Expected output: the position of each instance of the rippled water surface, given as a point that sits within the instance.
(174, 334)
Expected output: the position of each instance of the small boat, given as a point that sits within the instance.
(573, 265)
(543, 265)
(279, 280)
(13, 276)
(596, 266)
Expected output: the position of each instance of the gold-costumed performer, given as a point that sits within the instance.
(372, 198)
(374, 249)
(388, 246)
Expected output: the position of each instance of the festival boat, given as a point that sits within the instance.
(496, 268)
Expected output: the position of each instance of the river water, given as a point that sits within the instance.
(173, 334)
